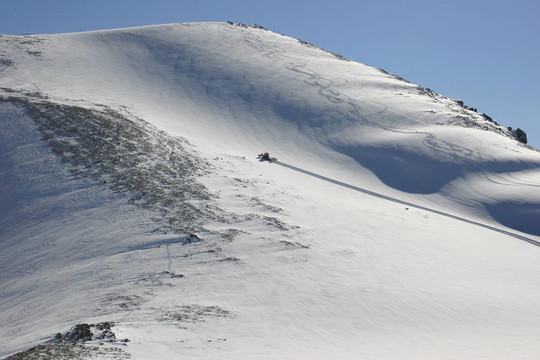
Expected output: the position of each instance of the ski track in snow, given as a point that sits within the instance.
(327, 88)
(392, 199)
(283, 265)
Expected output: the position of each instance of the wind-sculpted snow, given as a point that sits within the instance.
(156, 171)
(131, 193)
(522, 216)
(61, 167)
(416, 172)
(343, 112)
(515, 216)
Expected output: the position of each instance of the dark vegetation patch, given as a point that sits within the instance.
(157, 171)
(33, 52)
(259, 202)
(153, 170)
(294, 244)
(275, 222)
(125, 302)
(231, 234)
(53, 352)
(197, 313)
(81, 341)
(88, 332)
(5, 63)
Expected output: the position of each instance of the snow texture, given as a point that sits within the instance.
(396, 223)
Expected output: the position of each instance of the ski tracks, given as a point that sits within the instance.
(328, 88)
(402, 202)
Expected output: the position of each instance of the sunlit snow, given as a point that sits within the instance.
(395, 223)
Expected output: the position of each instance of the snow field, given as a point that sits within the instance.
(293, 264)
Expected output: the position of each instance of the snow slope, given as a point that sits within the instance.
(397, 223)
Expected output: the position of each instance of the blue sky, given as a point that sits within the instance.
(486, 53)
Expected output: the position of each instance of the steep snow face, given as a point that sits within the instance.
(396, 223)
(246, 89)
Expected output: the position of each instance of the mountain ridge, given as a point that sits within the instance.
(131, 194)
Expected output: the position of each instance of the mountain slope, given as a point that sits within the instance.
(362, 241)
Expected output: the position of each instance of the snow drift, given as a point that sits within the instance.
(397, 223)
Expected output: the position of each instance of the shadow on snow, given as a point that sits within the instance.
(420, 174)
(497, 213)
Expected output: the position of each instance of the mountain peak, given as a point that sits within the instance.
(131, 195)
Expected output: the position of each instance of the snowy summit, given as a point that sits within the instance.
(137, 221)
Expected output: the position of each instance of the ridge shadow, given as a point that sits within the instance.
(396, 200)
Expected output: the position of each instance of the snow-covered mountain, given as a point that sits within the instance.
(396, 223)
